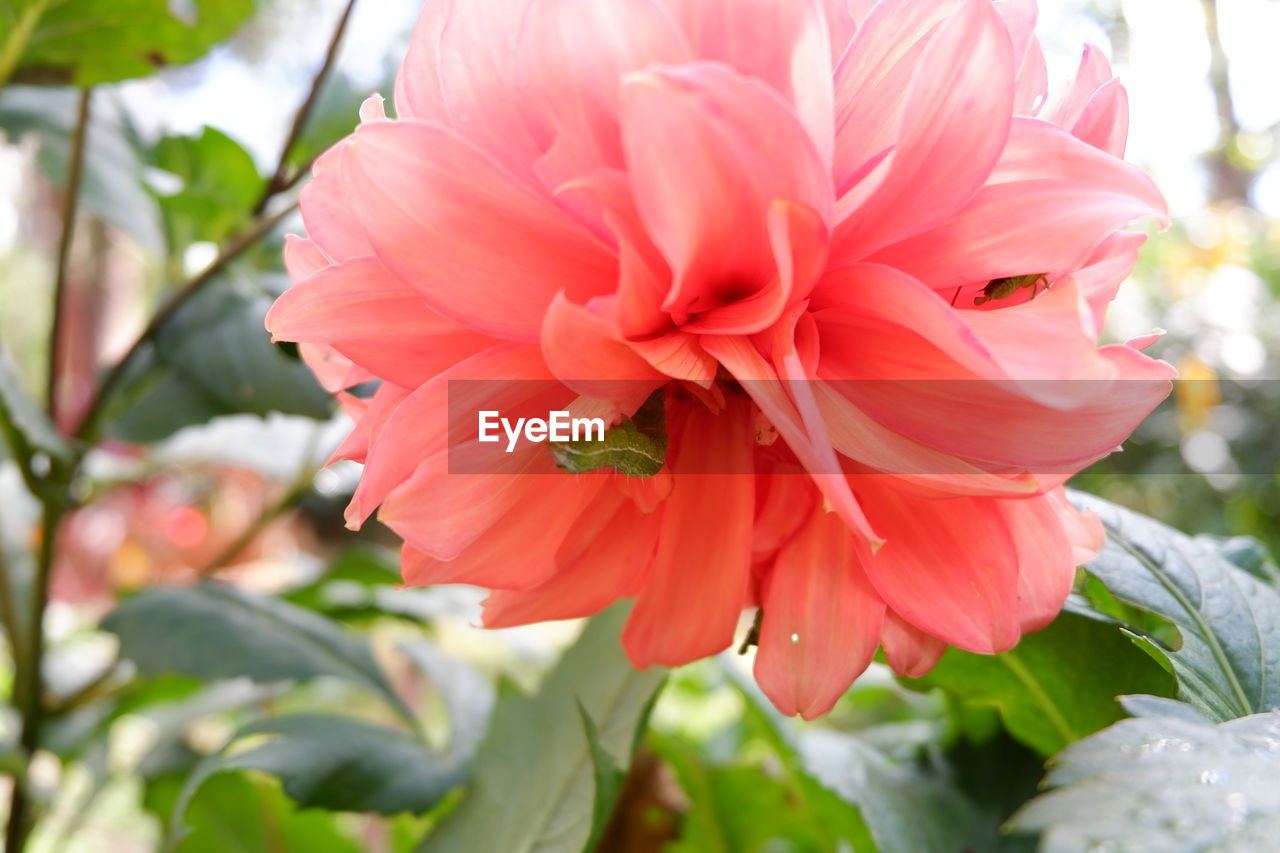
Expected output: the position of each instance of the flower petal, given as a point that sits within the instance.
(821, 620)
(709, 152)
(954, 125)
(477, 245)
(1053, 200)
(948, 566)
(698, 582)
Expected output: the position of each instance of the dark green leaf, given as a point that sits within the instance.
(217, 631)
(111, 185)
(336, 763)
(1164, 783)
(214, 358)
(1229, 621)
(85, 42)
(534, 785)
(1056, 686)
(219, 186)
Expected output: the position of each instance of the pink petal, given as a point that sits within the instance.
(478, 245)
(302, 257)
(571, 55)
(326, 210)
(369, 423)
(1105, 121)
(949, 567)
(821, 621)
(583, 350)
(424, 423)
(908, 650)
(1053, 200)
(954, 124)
(762, 382)
(478, 79)
(701, 570)
(1046, 564)
(417, 90)
(612, 567)
(709, 152)
(873, 77)
(518, 550)
(783, 43)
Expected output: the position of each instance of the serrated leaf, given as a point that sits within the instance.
(215, 631)
(1056, 686)
(336, 763)
(1164, 783)
(534, 783)
(86, 42)
(636, 447)
(1229, 621)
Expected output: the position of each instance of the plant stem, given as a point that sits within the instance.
(87, 431)
(298, 489)
(27, 680)
(280, 179)
(70, 200)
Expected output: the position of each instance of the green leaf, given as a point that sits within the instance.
(337, 763)
(86, 42)
(220, 184)
(111, 185)
(534, 782)
(1249, 554)
(26, 428)
(608, 780)
(1229, 621)
(1166, 782)
(214, 359)
(636, 447)
(214, 631)
(1056, 686)
(742, 807)
(905, 808)
(237, 813)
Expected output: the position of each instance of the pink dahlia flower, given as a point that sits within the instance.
(855, 252)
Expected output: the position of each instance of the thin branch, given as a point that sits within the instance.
(28, 684)
(281, 179)
(260, 228)
(70, 200)
(301, 485)
(8, 606)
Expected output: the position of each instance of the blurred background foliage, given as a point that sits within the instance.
(230, 669)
